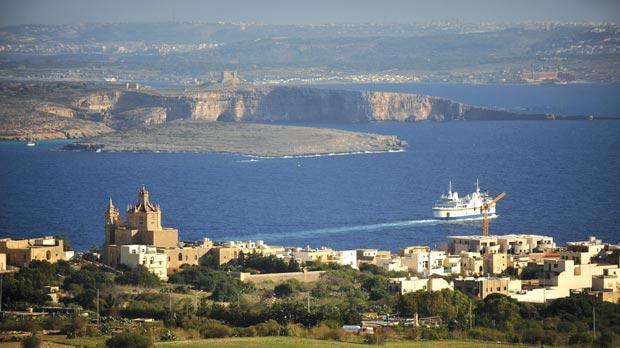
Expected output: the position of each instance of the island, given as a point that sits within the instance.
(226, 116)
(263, 140)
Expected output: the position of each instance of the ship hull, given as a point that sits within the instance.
(461, 213)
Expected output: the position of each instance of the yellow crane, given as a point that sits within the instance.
(485, 212)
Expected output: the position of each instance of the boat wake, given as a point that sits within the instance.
(369, 227)
(327, 154)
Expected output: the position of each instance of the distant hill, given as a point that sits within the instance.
(438, 52)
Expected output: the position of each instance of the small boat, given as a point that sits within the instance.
(30, 143)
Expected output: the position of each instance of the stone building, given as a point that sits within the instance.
(186, 254)
(484, 286)
(143, 226)
(20, 252)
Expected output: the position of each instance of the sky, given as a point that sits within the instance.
(15, 12)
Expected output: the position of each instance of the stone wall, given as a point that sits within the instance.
(304, 277)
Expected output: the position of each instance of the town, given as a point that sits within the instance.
(140, 252)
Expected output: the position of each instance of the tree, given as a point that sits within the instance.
(129, 340)
(498, 311)
(376, 286)
(452, 306)
(286, 289)
(139, 276)
(66, 245)
(225, 291)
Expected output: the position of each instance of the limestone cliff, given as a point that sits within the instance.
(94, 111)
(286, 104)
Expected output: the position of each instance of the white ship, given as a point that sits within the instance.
(451, 206)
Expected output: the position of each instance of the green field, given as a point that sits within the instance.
(294, 342)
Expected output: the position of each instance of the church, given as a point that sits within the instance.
(143, 228)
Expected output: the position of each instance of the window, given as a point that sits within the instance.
(180, 257)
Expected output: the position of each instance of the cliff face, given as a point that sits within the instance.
(272, 104)
(100, 111)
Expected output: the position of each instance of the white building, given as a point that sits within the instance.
(509, 244)
(412, 284)
(347, 258)
(582, 252)
(395, 264)
(154, 260)
(561, 277)
(426, 263)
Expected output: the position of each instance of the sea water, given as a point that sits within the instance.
(561, 178)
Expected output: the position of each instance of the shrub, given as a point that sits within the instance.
(319, 331)
(413, 333)
(214, 329)
(168, 335)
(249, 331)
(139, 276)
(286, 289)
(31, 326)
(486, 334)
(608, 339)
(128, 339)
(581, 338)
(335, 335)
(295, 330)
(31, 342)
(378, 337)
(434, 333)
(76, 328)
(533, 335)
(268, 328)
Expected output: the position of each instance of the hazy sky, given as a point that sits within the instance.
(304, 12)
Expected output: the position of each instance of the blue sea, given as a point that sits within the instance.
(562, 179)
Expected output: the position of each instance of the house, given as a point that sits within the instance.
(409, 284)
(20, 252)
(484, 286)
(155, 260)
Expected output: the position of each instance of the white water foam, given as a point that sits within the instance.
(370, 227)
(326, 154)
